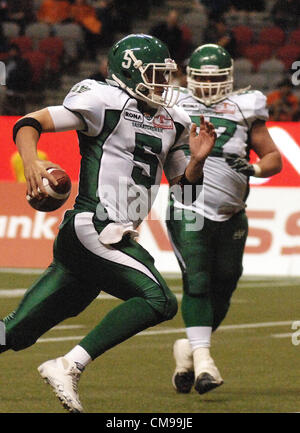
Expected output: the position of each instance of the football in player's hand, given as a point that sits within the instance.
(57, 194)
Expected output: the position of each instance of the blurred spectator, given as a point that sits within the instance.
(143, 12)
(283, 104)
(245, 5)
(286, 13)
(195, 19)
(187, 46)
(217, 6)
(217, 32)
(102, 72)
(106, 13)
(127, 11)
(3, 10)
(85, 15)
(18, 80)
(4, 45)
(170, 33)
(20, 12)
(54, 11)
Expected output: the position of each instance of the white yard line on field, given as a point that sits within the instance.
(21, 271)
(18, 293)
(178, 330)
(268, 285)
(12, 293)
(283, 335)
(57, 339)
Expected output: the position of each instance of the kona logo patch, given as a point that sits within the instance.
(225, 107)
(133, 116)
(190, 106)
(164, 122)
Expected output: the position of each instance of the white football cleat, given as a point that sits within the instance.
(183, 377)
(63, 376)
(207, 375)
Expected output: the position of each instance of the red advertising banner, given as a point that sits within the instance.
(26, 236)
(62, 148)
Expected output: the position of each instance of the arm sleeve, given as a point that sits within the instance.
(178, 156)
(85, 101)
(259, 108)
(65, 120)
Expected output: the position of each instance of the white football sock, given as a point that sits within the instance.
(199, 336)
(80, 355)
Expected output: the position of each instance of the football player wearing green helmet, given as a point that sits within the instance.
(211, 258)
(128, 134)
(141, 65)
(210, 74)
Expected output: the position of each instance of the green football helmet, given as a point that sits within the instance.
(210, 74)
(141, 65)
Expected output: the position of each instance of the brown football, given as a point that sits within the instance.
(57, 195)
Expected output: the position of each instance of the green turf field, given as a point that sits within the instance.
(259, 363)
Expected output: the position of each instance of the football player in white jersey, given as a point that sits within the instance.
(128, 131)
(211, 258)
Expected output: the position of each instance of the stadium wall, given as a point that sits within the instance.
(273, 208)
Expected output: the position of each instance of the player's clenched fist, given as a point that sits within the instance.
(201, 144)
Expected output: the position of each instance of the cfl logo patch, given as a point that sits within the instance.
(2, 334)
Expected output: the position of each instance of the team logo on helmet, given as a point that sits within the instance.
(141, 65)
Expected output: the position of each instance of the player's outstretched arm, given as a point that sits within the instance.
(26, 140)
(26, 136)
(200, 147)
(261, 142)
(263, 145)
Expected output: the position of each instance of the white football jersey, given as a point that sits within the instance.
(124, 151)
(224, 190)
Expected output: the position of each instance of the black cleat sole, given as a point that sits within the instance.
(184, 382)
(205, 383)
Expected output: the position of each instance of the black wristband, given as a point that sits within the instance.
(26, 121)
(194, 192)
(184, 181)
